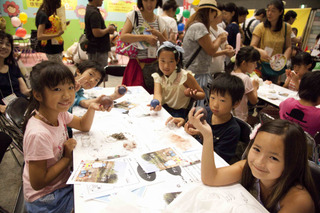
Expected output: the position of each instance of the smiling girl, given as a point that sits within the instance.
(275, 171)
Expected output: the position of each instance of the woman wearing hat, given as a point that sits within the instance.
(198, 46)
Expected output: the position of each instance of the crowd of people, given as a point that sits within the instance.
(207, 65)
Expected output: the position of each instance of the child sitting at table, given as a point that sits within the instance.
(47, 148)
(225, 94)
(275, 171)
(174, 87)
(90, 74)
(246, 62)
(304, 111)
(301, 63)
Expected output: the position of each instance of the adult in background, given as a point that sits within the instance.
(138, 71)
(290, 17)
(230, 17)
(242, 14)
(272, 37)
(198, 46)
(250, 24)
(49, 29)
(97, 33)
(169, 10)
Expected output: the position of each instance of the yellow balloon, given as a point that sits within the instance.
(196, 2)
(23, 17)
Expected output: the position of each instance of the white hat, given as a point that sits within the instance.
(208, 4)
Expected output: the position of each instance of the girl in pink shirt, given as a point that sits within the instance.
(47, 148)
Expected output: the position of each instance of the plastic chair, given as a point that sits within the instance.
(245, 131)
(15, 112)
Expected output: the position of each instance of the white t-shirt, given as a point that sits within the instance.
(171, 25)
(217, 63)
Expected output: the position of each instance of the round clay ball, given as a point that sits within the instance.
(106, 102)
(154, 103)
(122, 90)
(204, 112)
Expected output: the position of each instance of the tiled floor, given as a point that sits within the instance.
(10, 171)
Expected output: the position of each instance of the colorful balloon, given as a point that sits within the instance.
(21, 32)
(23, 17)
(186, 13)
(238, 42)
(177, 10)
(196, 2)
(180, 27)
(15, 21)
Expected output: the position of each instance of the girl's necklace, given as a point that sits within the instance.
(43, 118)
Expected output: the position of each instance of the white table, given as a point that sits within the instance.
(148, 130)
(275, 94)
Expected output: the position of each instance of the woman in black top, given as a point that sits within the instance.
(48, 32)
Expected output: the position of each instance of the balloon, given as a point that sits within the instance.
(24, 21)
(21, 32)
(186, 13)
(15, 21)
(23, 17)
(238, 42)
(196, 2)
(177, 10)
(180, 27)
(17, 28)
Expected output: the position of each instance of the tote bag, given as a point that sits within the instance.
(127, 49)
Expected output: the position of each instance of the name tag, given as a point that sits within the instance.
(152, 52)
(9, 98)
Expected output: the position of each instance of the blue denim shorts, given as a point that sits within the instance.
(60, 200)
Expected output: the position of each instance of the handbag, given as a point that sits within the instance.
(83, 41)
(35, 43)
(127, 49)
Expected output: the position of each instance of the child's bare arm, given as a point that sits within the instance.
(193, 89)
(211, 175)
(84, 123)
(41, 176)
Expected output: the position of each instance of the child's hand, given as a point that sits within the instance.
(288, 73)
(194, 119)
(96, 105)
(177, 121)
(69, 146)
(190, 129)
(116, 93)
(157, 108)
(79, 83)
(255, 83)
(294, 76)
(190, 92)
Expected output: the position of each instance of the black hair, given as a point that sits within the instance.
(318, 36)
(177, 56)
(232, 7)
(10, 59)
(310, 86)
(170, 4)
(279, 5)
(294, 28)
(261, 11)
(140, 5)
(224, 82)
(289, 14)
(242, 11)
(46, 74)
(248, 54)
(304, 58)
(88, 64)
(50, 6)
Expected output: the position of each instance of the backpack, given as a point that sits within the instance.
(247, 33)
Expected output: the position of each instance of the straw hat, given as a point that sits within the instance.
(208, 4)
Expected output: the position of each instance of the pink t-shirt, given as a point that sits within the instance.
(242, 110)
(308, 117)
(44, 142)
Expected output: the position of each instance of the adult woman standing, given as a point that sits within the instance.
(138, 71)
(11, 85)
(49, 30)
(230, 17)
(198, 46)
(273, 36)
